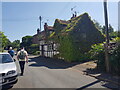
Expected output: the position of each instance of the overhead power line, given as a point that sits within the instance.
(26, 19)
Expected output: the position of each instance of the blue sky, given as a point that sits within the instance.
(0, 16)
(119, 16)
(22, 18)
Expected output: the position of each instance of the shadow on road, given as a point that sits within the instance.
(105, 84)
(51, 63)
(88, 85)
(61, 64)
(109, 80)
(6, 87)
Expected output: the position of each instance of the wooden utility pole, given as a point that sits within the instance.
(41, 46)
(107, 37)
(0, 42)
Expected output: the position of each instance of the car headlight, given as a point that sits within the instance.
(11, 72)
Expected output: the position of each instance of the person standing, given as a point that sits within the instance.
(11, 52)
(22, 57)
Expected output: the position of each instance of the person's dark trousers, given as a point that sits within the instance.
(22, 65)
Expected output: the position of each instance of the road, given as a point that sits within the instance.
(48, 73)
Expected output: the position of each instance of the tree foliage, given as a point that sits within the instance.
(98, 53)
(67, 49)
(110, 29)
(97, 25)
(4, 41)
(33, 48)
(16, 44)
(29, 46)
(26, 41)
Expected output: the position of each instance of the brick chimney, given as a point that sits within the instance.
(38, 31)
(72, 16)
(75, 14)
(45, 27)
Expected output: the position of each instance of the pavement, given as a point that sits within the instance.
(88, 68)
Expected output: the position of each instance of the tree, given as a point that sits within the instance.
(26, 41)
(97, 25)
(110, 29)
(4, 41)
(103, 29)
(16, 44)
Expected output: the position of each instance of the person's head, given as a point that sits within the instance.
(10, 48)
(22, 48)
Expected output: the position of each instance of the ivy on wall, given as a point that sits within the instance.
(75, 37)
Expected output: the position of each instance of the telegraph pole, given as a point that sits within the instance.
(107, 37)
(0, 42)
(40, 21)
(41, 45)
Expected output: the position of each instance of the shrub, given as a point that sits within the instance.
(36, 53)
(33, 48)
(67, 49)
(115, 61)
(96, 49)
(97, 53)
(115, 58)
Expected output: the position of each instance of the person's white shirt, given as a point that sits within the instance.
(25, 54)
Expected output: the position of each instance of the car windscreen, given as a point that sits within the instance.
(5, 58)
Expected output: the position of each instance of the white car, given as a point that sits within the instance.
(8, 70)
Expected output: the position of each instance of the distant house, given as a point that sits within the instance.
(41, 39)
(41, 36)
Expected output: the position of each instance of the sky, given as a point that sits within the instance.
(119, 16)
(22, 18)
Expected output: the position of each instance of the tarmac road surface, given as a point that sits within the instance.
(45, 73)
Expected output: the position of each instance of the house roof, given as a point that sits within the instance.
(49, 27)
(63, 21)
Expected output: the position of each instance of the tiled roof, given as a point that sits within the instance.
(49, 27)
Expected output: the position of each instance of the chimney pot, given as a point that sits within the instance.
(38, 31)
